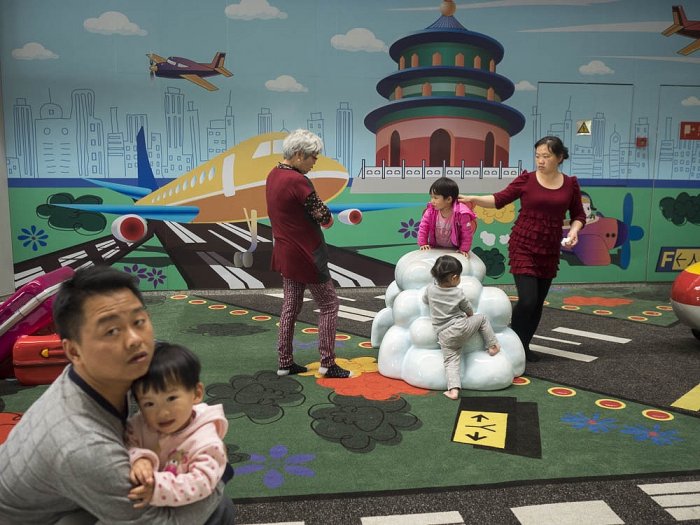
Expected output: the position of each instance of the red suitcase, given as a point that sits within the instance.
(38, 359)
(27, 312)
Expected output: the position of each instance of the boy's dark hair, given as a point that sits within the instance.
(555, 145)
(444, 267)
(445, 187)
(171, 365)
(68, 303)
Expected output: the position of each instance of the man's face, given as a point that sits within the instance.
(115, 343)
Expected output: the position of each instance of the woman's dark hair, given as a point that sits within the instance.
(444, 267)
(68, 314)
(171, 365)
(445, 187)
(555, 145)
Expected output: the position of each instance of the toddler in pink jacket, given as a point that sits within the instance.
(446, 222)
(175, 441)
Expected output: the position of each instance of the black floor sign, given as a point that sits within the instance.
(501, 424)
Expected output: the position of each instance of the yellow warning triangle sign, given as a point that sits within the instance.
(583, 129)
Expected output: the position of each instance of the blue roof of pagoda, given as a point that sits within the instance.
(447, 29)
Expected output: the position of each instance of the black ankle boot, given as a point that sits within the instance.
(531, 356)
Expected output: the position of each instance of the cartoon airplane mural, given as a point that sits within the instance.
(178, 67)
(685, 27)
(603, 234)
(228, 188)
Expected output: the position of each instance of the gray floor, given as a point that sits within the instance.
(657, 367)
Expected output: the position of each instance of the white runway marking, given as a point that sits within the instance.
(236, 278)
(361, 280)
(227, 241)
(354, 314)
(428, 518)
(183, 233)
(595, 512)
(281, 296)
(563, 353)
(556, 340)
(680, 499)
(591, 335)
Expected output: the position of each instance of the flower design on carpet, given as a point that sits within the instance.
(372, 385)
(258, 397)
(593, 423)
(233, 454)
(357, 366)
(653, 434)
(358, 424)
(276, 465)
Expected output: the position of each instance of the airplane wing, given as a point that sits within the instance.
(200, 82)
(689, 49)
(672, 29)
(373, 206)
(161, 213)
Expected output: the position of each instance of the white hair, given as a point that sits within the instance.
(301, 141)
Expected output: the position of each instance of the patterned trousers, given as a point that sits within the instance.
(327, 301)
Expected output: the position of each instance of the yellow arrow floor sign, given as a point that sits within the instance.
(481, 428)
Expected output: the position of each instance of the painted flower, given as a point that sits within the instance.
(372, 385)
(357, 366)
(358, 424)
(155, 276)
(654, 434)
(409, 229)
(136, 270)
(593, 423)
(276, 465)
(260, 397)
(34, 236)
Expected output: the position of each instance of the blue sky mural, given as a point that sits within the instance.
(312, 64)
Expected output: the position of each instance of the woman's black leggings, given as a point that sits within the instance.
(527, 312)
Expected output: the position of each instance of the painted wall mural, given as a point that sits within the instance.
(141, 136)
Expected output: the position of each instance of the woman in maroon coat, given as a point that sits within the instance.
(299, 252)
(536, 238)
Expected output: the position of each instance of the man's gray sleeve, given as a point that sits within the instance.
(100, 486)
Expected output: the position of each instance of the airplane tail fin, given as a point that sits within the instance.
(218, 64)
(679, 21)
(680, 12)
(145, 173)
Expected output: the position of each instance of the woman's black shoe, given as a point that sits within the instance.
(531, 356)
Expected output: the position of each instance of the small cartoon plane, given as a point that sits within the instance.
(228, 188)
(685, 27)
(178, 67)
(604, 234)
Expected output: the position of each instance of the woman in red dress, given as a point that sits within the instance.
(536, 237)
(299, 251)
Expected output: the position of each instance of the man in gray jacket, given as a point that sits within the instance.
(66, 461)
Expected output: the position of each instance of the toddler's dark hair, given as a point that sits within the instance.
(445, 187)
(444, 267)
(171, 365)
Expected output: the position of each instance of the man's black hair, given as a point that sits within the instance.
(68, 303)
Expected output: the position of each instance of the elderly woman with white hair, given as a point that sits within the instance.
(299, 252)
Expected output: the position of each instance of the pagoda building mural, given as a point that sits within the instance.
(446, 100)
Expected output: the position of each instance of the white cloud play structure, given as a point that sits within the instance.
(408, 346)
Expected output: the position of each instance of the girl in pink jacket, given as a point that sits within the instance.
(446, 223)
(175, 441)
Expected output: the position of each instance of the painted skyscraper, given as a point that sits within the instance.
(446, 99)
